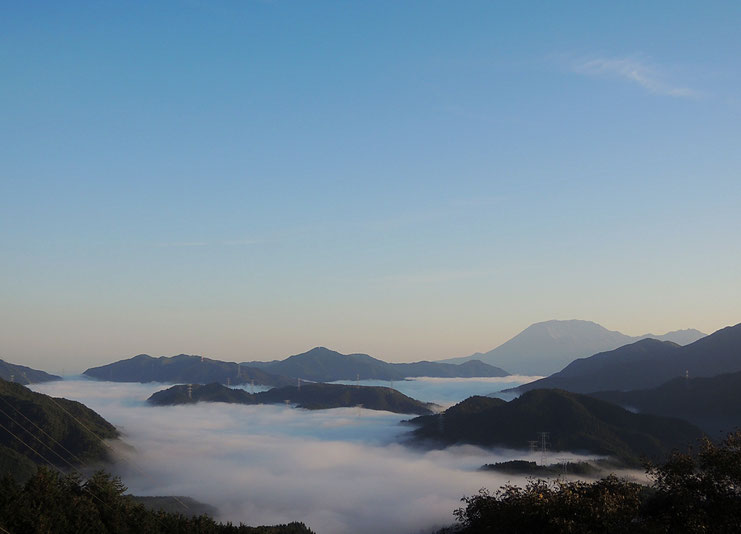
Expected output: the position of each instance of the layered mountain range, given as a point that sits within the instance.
(711, 403)
(574, 422)
(648, 363)
(321, 364)
(545, 348)
(317, 365)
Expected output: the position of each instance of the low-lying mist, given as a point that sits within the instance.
(339, 470)
(447, 391)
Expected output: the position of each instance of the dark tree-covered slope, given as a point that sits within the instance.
(309, 396)
(184, 368)
(51, 503)
(712, 403)
(39, 430)
(649, 363)
(24, 375)
(575, 423)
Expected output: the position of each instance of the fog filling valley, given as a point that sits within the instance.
(338, 470)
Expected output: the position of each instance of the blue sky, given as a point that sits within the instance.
(408, 179)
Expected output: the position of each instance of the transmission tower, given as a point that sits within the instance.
(533, 443)
(544, 444)
(190, 391)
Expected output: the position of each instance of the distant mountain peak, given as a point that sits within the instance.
(648, 363)
(548, 346)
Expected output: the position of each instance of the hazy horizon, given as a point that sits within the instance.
(66, 370)
(411, 180)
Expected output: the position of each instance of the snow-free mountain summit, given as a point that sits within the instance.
(546, 347)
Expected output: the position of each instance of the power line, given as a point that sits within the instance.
(39, 440)
(41, 430)
(37, 453)
(51, 464)
(130, 462)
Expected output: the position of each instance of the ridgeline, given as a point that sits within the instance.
(308, 396)
(575, 423)
(648, 364)
(321, 364)
(20, 374)
(184, 368)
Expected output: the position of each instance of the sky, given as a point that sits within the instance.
(413, 180)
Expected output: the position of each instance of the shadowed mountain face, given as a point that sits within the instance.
(648, 363)
(575, 422)
(309, 396)
(712, 403)
(544, 348)
(321, 364)
(184, 368)
(21, 374)
(38, 430)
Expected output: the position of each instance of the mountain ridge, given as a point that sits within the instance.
(311, 396)
(321, 364)
(21, 374)
(546, 347)
(576, 423)
(648, 363)
(711, 403)
(183, 368)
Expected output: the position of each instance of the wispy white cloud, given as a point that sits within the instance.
(634, 70)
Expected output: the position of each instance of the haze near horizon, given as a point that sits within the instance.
(409, 180)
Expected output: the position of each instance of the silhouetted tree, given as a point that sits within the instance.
(689, 493)
(50, 502)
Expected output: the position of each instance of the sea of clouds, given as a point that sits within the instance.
(448, 391)
(340, 470)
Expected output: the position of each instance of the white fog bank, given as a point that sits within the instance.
(338, 471)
